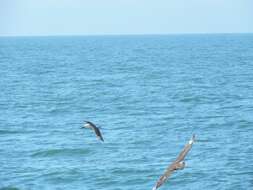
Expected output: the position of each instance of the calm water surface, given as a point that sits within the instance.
(147, 93)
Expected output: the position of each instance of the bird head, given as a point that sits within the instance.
(85, 125)
(180, 165)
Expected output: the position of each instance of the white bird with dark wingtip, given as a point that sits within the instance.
(178, 164)
(90, 125)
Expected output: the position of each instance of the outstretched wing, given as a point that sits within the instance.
(98, 133)
(164, 177)
(186, 149)
(90, 123)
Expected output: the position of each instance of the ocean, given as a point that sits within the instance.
(147, 93)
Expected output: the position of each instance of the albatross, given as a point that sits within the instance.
(90, 125)
(178, 164)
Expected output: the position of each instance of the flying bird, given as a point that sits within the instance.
(178, 164)
(90, 125)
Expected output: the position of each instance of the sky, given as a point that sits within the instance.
(106, 17)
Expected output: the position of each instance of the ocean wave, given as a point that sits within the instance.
(9, 188)
(61, 152)
(4, 132)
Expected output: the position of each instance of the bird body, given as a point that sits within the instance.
(90, 125)
(176, 165)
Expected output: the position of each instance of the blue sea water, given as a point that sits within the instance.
(148, 94)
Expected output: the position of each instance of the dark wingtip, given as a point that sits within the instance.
(193, 137)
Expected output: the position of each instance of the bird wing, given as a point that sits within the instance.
(91, 124)
(164, 177)
(98, 133)
(186, 149)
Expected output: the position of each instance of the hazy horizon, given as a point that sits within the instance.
(147, 34)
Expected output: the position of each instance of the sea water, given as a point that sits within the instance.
(148, 95)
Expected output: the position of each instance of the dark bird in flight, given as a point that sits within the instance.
(90, 125)
(178, 164)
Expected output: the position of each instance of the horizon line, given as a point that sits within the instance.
(130, 34)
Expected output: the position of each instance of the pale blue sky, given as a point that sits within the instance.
(92, 17)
